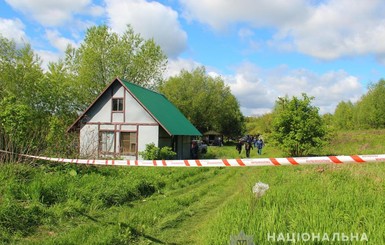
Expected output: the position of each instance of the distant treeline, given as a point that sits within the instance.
(366, 113)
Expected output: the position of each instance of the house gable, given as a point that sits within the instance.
(101, 111)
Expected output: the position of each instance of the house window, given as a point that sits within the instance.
(117, 104)
(107, 142)
(128, 143)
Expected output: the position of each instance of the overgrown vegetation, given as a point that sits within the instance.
(366, 113)
(153, 152)
(38, 106)
(42, 203)
(45, 203)
(62, 204)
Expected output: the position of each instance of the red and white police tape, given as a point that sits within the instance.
(249, 162)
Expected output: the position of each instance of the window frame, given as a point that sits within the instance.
(118, 103)
(132, 141)
(103, 145)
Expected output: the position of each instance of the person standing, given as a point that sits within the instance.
(260, 145)
(248, 147)
(194, 150)
(239, 146)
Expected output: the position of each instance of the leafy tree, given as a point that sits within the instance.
(370, 111)
(23, 112)
(62, 93)
(297, 126)
(20, 132)
(206, 101)
(7, 64)
(343, 115)
(37, 106)
(259, 125)
(105, 55)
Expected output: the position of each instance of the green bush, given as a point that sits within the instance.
(153, 152)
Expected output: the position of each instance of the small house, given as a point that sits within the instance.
(126, 117)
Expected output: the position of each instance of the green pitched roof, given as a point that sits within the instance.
(168, 116)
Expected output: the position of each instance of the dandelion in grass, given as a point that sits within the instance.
(259, 189)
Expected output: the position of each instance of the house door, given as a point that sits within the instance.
(128, 143)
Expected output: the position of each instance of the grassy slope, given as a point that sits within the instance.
(54, 204)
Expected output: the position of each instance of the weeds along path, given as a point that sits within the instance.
(177, 216)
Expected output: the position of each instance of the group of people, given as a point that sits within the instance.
(249, 142)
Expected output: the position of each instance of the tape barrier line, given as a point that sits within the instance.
(249, 162)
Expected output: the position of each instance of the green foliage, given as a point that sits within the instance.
(37, 106)
(22, 112)
(297, 126)
(166, 152)
(259, 125)
(371, 107)
(153, 152)
(73, 204)
(343, 116)
(19, 125)
(58, 141)
(95, 205)
(206, 101)
(105, 55)
(367, 113)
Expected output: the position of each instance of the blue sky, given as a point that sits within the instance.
(261, 48)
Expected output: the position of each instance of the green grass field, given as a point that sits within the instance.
(44, 203)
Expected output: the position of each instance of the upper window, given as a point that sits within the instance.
(117, 104)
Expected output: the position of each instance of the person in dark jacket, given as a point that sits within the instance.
(248, 147)
(239, 146)
(194, 150)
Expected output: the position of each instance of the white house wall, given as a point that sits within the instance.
(89, 140)
(101, 111)
(135, 113)
(147, 135)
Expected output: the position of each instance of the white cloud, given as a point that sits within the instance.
(257, 89)
(13, 29)
(53, 13)
(326, 29)
(219, 14)
(58, 41)
(151, 20)
(253, 93)
(95, 10)
(340, 28)
(175, 66)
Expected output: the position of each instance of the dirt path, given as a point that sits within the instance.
(220, 190)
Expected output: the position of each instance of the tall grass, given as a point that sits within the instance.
(69, 204)
(310, 199)
(42, 203)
